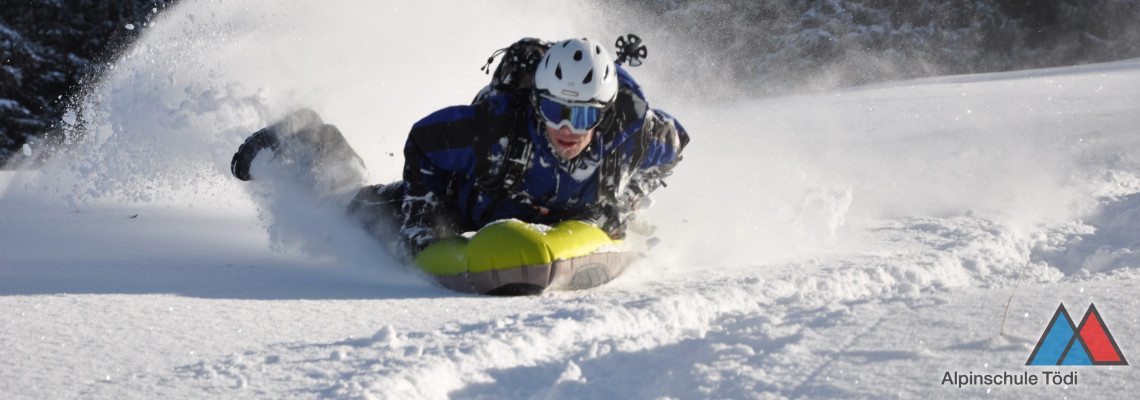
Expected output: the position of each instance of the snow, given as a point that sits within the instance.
(857, 243)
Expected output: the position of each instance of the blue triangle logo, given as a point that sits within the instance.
(1058, 339)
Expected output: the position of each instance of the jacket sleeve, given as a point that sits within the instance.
(439, 147)
(658, 141)
(664, 141)
(657, 149)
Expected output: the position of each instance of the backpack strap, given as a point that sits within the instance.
(518, 155)
(515, 76)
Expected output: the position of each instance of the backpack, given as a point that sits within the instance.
(515, 72)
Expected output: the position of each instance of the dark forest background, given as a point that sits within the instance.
(50, 49)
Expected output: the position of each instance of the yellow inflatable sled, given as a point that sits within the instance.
(512, 258)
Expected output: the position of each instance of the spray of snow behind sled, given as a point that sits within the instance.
(160, 128)
(762, 181)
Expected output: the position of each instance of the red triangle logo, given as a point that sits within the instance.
(1101, 346)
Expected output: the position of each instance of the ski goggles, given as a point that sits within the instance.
(579, 118)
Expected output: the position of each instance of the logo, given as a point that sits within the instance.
(1064, 343)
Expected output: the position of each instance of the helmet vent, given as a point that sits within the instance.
(558, 71)
(589, 77)
(578, 55)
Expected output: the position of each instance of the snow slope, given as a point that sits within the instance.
(855, 243)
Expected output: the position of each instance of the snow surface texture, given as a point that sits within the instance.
(855, 244)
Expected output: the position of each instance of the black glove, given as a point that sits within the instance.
(607, 216)
(413, 240)
(255, 143)
(418, 228)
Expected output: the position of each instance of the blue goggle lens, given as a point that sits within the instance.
(579, 118)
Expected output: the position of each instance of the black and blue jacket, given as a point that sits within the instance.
(467, 166)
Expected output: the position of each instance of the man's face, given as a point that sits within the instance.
(567, 144)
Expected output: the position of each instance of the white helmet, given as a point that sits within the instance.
(579, 71)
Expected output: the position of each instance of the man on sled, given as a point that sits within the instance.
(563, 133)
